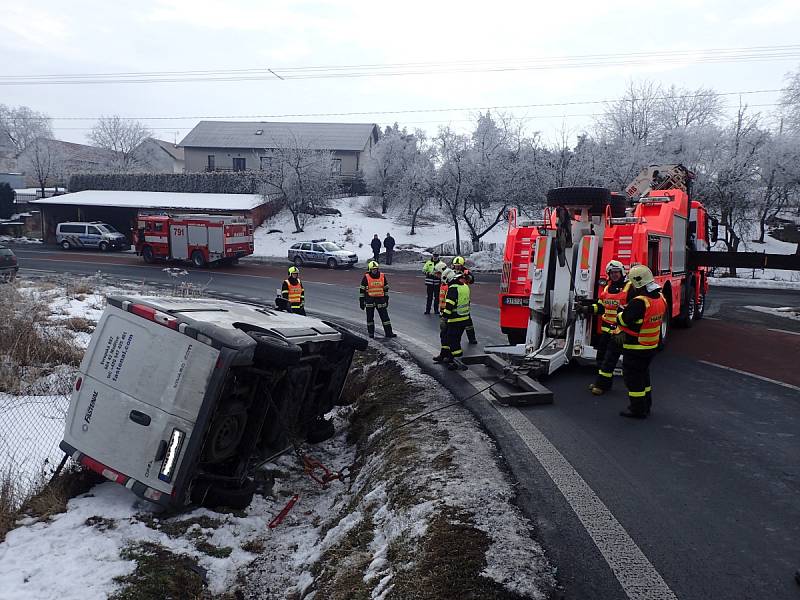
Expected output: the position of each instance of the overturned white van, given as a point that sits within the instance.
(176, 398)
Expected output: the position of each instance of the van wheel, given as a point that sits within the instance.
(321, 430)
(226, 432)
(147, 255)
(198, 259)
(66, 245)
(103, 246)
(275, 351)
(216, 495)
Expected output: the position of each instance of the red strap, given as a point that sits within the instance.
(281, 515)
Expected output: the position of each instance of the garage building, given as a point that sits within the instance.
(120, 209)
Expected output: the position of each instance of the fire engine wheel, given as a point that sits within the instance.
(331, 263)
(688, 308)
(212, 495)
(147, 254)
(66, 245)
(596, 198)
(226, 432)
(103, 246)
(198, 260)
(666, 322)
(274, 351)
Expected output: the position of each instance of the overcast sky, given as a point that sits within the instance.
(54, 37)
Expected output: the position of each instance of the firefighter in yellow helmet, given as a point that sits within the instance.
(613, 298)
(640, 322)
(293, 294)
(459, 266)
(456, 314)
(448, 278)
(374, 295)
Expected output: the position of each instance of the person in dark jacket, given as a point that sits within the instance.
(388, 243)
(375, 244)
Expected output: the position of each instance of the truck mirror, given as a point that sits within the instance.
(714, 230)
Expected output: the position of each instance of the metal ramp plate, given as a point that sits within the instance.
(510, 388)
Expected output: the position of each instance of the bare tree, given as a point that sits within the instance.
(122, 137)
(790, 101)
(45, 161)
(301, 177)
(450, 185)
(632, 117)
(23, 126)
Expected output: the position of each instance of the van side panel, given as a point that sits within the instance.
(150, 362)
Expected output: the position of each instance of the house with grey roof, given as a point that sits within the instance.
(159, 156)
(241, 146)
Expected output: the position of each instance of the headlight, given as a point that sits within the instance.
(171, 457)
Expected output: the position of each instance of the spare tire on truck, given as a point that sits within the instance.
(595, 198)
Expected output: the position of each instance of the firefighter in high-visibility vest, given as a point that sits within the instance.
(447, 278)
(293, 293)
(613, 297)
(460, 267)
(374, 294)
(640, 323)
(456, 313)
(432, 281)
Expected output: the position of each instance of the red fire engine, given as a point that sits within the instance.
(201, 239)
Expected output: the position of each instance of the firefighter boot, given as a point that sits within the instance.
(456, 365)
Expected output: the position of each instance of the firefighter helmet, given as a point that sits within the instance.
(448, 275)
(372, 265)
(458, 261)
(615, 265)
(640, 276)
(294, 271)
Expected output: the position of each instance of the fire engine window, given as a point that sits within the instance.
(652, 254)
(158, 227)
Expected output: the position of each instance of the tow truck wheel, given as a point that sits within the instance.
(596, 198)
(688, 308)
(665, 325)
(700, 308)
(147, 254)
(516, 336)
(198, 259)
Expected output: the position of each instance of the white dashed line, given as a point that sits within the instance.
(761, 377)
(785, 331)
(636, 574)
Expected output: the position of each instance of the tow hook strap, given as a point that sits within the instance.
(285, 511)
(311, 467)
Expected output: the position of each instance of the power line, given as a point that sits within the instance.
(713, 55)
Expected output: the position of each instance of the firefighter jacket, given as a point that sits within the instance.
(456, 304)
(293, 293)
(640, 321)
(612, 298)
(429, 270)
(443, 287)
(373, 287)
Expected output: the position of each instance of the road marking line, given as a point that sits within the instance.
(785, 331)
(761, 377)
(636, 574)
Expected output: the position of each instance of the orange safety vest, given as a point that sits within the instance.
(376, 286)
(650, 325)
(295, 292)
(442, 295)
(612, 303)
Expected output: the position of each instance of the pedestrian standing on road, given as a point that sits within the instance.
(375, 244)
(432, 281)
(374, 295)
(612, 299)
(293, 293)
(447, 278)
(388, 243)
(640, 323)
(459, 266)
(456, 313)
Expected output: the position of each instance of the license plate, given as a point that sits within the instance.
(515, 300)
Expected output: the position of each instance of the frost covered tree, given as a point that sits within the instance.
(300, 177)
(450, 153)
(384, 169)
(122, 137)
(45, 161)
(23, 126)
(790, 101)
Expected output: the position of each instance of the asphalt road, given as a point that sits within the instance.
(700, 501)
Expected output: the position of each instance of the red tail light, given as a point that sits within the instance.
(151, 314)
(103, 470)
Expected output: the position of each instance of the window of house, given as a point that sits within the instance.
(211, 162)
(239, 164)
(266, 163)
(336, 166)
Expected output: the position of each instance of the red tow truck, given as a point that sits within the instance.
(201, 239)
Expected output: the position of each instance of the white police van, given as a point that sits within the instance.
(93, 234)
(175, 397)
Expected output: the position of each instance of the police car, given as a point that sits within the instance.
(321, 252)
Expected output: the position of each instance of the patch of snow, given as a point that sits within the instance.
(788, 312)
(168, 200)
(767, 284)
(19, 240)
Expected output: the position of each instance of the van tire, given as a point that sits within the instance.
(147, 255)
(275, 351)
(198, 260)
(595, 198)
(321, 430)
(225, 432)
(103, 246)
(66, 245)
(217, 495)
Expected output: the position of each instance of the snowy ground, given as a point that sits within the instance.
(788, 312)
(435, 481)
(765, 278)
